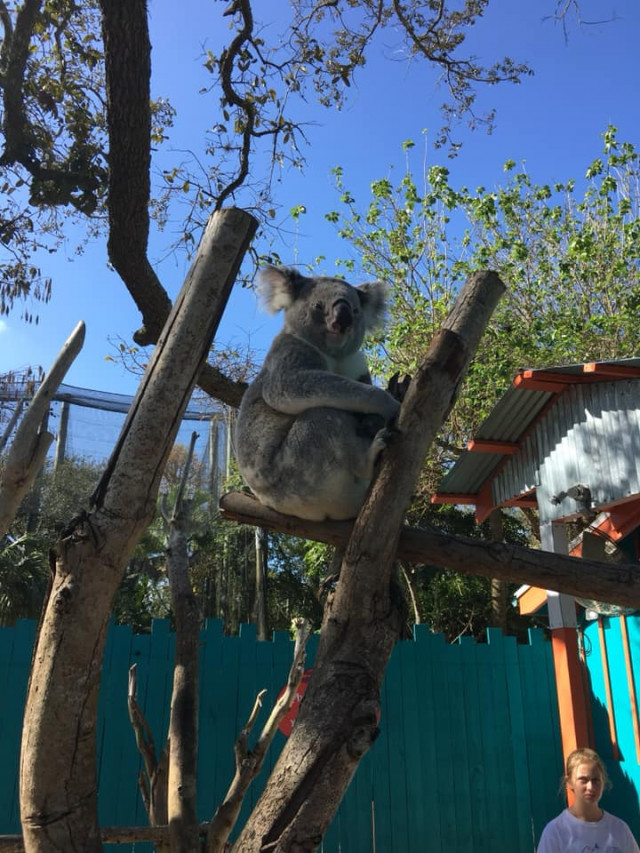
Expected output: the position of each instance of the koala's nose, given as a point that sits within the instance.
(341, 316)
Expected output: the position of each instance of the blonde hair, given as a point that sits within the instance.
(584, 756)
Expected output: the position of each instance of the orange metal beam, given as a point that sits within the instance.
(574, 723)
(611, 371)
(527, 499)
(450, 498)
(529, 383)
(532, 600)
(481, 445)
(623, 518)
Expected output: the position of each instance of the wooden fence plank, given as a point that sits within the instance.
(225, 716)
(544, 752)
(458, 747)
(118, 760)
(211, 688)
(521, 783)
(413, 725)
(429, 735)
(395, 737)
(471, 761)
(12, 700)
(444, 780)
(250, 683)
(504, 827)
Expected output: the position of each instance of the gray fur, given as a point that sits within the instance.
(311, 425)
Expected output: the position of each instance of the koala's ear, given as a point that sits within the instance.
(373, 297)
(279, 287)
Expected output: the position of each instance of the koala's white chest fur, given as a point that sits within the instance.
(354, 366)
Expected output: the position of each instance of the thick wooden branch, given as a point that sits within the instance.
(249, 762)
(615, 583)
(58, 740)
(183, 720)
(152, 781)
(338, 719)
(128, 72)
(127, 51)
(31, 443)
(157, 835)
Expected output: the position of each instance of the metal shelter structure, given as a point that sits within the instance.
(87, 424)
(567, 441)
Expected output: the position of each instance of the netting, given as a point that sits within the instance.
(87, 424)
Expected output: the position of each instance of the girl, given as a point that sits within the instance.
(584, 827)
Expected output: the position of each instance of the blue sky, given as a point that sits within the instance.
(552, 121)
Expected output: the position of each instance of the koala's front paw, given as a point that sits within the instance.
(384, 437)
(398, 387)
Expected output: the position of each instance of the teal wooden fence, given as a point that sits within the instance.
(467, 759)
(612, 653)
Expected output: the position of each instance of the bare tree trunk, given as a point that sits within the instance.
(249, 761)
(29, 448)
(337, 722)
(13, 420)
(183, 722)
(57, 774)
(61, 441)
(261, 585)
(152, 778)
(499, 587)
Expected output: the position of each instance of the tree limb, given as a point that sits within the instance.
(337, 722)
(58, 740)
(29, 448)
(153, 785)
(183, 721)
(249, 762)
(615, 583)
(127, 51)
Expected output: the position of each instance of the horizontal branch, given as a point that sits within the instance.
(109, 835)
(614, 583)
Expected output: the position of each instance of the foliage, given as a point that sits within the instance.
(53, 164)
(54, 500)
(570, 260)
(321, 47)
(24, 577)
(56, 126)
(570, 263)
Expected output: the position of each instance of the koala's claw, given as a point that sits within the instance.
(398, 387)
(386, 436)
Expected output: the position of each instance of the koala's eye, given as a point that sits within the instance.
(319, 307)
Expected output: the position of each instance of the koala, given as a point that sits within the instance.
(311, 425)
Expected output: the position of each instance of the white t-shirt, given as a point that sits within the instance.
(569, 834)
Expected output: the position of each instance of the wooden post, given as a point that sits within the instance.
(575, 715)
(338, 718)
(31, 443)
(58, 791)
(61, 441)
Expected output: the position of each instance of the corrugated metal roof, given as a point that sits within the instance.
(517, 410)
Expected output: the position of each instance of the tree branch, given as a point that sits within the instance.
(31, 443)
(337, 722)
(615, 583)
(249, 762)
